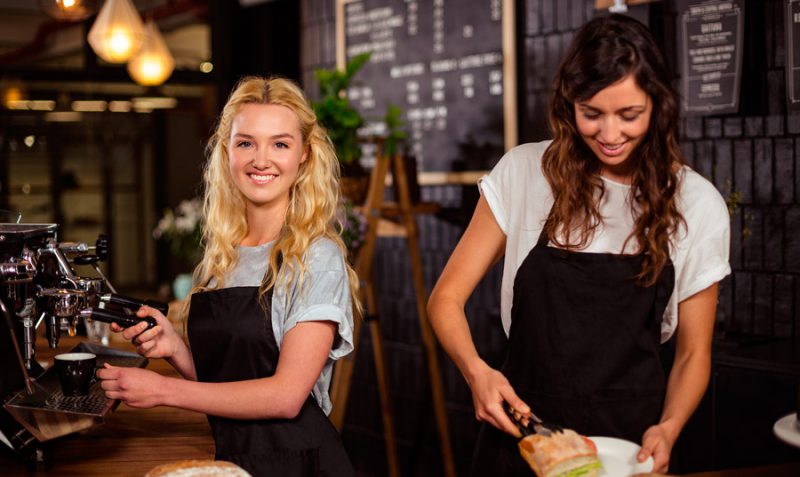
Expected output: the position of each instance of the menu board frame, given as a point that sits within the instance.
(708, 89)
(509, 82)
(792, 63)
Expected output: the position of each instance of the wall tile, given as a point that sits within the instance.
(553, 43)
(754, 242)
(713, 127)
(776, 92)
(743, 169)
(778, 31)
(762, 304)
(687, 147)
(328, 45)
(533, 17)
(536, 59)
(737, 239)
(733, 127)
(792, 234)
(577, 13)
(693, 127)
(563, 19)
(753, 126)
(773, 239)
(784, 171)
(783, 308)
(795, 305)
(774, 125)
(566, 39)
(797, 169)
(310, 54)
(743, 304)
(723, 165)
(704, 158)
(793, 123)
(589, 9)
(762, 179)
(548, 15)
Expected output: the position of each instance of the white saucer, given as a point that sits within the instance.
(788, 430)
(618, 457)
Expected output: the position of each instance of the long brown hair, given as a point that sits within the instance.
(604, 51)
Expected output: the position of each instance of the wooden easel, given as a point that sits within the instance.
(374, 209)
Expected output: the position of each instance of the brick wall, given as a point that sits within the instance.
(753, 154)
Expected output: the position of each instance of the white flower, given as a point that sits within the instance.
(185, 224)
(181, 228)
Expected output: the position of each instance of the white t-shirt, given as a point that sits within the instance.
(325, 297)
(520, 199)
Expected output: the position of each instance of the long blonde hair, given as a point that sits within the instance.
(313, 198)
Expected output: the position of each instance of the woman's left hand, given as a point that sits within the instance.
(657, 443)
(135, 387)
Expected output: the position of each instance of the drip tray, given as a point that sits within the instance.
(48, 414)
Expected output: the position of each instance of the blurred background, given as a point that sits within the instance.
(100, 147)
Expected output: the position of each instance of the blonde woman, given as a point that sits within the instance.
(274, 304)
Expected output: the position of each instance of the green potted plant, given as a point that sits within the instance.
(342, 122)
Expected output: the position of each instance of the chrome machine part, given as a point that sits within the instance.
(38, 283)
(93, 288)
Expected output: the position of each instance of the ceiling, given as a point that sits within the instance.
(42, 54)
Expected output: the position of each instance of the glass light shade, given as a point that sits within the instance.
(69, 10)
(154, 62)
(118, 32)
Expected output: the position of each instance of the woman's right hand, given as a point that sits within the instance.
(161, 341)
(490, 389)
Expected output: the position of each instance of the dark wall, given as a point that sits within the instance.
(263, 39)
(752, 155)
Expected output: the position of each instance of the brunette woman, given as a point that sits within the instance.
(273, 308)
(611, 246)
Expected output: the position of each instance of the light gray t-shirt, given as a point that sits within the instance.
(325, 297)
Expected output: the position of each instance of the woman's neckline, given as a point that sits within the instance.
(623, 185)
(261, 245)
(615, 183)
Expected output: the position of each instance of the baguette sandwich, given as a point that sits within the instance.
(562, 454)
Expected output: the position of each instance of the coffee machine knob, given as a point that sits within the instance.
(101, 247)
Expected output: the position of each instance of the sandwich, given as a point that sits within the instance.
(561, 454)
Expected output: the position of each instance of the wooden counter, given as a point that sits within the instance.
(133, 441)
(130, 442)
(779, 470)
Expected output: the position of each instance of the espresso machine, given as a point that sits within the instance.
(39, 285)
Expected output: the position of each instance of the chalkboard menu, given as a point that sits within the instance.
(710, 53)
(793, 56)
(442, 62)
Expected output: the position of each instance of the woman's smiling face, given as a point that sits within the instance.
(612, 123)
(265, 151)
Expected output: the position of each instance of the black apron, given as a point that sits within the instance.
(232, 340)
(583, 349)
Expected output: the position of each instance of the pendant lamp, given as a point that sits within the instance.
(118, 32)
(154, 63)
(69, 10)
